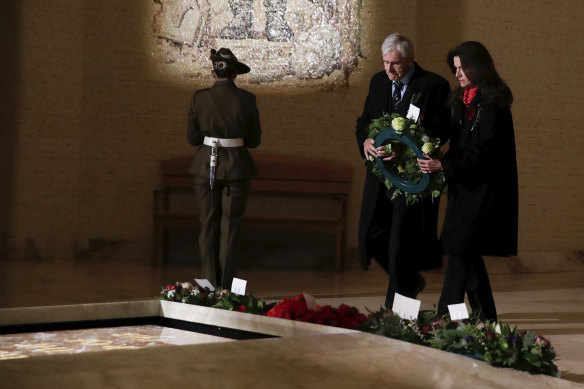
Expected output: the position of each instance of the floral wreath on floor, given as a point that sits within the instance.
(493, 342)
(185, 292)
(408, 139)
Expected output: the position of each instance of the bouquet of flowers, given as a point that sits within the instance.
(405, 165)
(296, 309)
(187, 293)
(497, 344)
(493, 342)
(384, 322)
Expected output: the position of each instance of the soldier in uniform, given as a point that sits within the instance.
(223, 123)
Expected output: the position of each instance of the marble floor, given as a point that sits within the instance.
(539, 292)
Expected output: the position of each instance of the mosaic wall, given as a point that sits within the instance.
(285, 42)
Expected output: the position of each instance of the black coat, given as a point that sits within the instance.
(417, 236)
(481, 170)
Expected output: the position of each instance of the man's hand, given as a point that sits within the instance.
(429, 165)
(376, 152)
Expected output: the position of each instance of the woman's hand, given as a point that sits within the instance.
(429, 165)
(375, 152)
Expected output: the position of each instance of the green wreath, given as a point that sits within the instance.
(408, 139)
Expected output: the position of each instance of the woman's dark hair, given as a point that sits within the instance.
(224, 70)
(479, 68)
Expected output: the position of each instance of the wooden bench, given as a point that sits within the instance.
(308, 195)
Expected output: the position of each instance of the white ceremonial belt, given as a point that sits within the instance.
(223, 142)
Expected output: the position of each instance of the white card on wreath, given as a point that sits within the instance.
(310, 302)
(204, 283)
(238, 286)
(458, 311)
(405, 307)
(413, 113)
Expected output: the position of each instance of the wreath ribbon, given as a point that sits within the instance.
(400, 183)
(408, 181)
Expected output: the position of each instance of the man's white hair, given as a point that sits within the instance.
(397, 41)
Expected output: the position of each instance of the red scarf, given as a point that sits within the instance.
(469, 94)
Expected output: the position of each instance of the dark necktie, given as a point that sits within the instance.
(396, 96)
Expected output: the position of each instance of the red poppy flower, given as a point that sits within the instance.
(490, 334)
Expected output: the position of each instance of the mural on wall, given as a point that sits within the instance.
(285, 42)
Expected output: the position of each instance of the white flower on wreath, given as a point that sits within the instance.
(427, 147)
(399, 124)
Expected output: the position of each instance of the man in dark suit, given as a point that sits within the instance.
(402, 239)
(223, 123)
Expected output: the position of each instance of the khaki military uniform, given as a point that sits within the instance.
(222, 111)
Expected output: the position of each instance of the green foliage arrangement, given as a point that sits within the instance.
(185, 292)
(493, 342)
(405, 164)
(497, 344)
(386, 323)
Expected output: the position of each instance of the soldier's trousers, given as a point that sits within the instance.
(220, 212)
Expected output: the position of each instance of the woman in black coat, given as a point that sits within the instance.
(481, 170)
